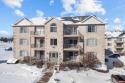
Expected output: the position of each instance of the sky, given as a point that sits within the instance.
(111, 11)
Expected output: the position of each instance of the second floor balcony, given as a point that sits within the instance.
(37, 33)
(37, 45)
(119, 46)
(70, 46)
(119, 41)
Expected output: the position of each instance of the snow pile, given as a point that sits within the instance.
(113, 33)
(15, 73)
(101, 67)
(12, 61)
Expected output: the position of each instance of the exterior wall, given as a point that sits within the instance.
(58, 35)
(99, 35)
(17, 37)
(113, 44)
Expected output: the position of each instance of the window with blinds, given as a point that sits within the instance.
(91, 28)
(91, 42)
(23, 41)
(23, 53)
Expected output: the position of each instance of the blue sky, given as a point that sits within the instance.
(112, 11)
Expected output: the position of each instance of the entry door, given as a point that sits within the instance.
(53, 56)
(39, 54)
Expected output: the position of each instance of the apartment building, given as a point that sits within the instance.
(59, 38)
(115, 41)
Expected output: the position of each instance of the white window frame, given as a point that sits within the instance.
(23, 53)
(53, 28)
(53, 42)
(23, 42)
(91, 42)
(23, 29)
(91, 28)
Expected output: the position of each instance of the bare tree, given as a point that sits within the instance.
(89, 60)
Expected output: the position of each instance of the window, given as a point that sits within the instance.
(23, 30)
(109, 44)
(39, 30)
(53, 41)
(23, 53)
(53, 27)
(119, 39)
(91, 42)
(23, 41)
(91, 28)
(109, 39)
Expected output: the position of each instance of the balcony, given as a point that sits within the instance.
(119, 41)
(37, 33)
(37, 46)
(70, 33)
(119, 46)
(71, 47)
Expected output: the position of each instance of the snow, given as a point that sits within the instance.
(89, 76)
(12, 60)
(38, 21)
(113, 33)
(21, 73)
(101, 67)
(15, 73)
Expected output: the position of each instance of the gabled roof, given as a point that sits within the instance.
(51, 19)
(93, 16)
(22, 20)
(114, 33)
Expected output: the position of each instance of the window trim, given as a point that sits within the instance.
(92, 30)
(95, 43)
(53, 27)
(24, 29)
(25, 53)
(53, 43)
(21, 42)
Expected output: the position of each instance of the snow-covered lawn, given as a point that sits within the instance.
(89, 76)
(15, 73)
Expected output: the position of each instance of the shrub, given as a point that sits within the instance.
(89, 60)
(70, 65)
(39, 63)
(30, 60)
(21, 62)
(118, 64)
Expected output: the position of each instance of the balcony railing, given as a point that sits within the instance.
(119, 41)
(37, 45)
(119, 46)
(70, 32)
(70, 46)
(37, 33)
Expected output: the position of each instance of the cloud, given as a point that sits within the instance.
(13, 3)
(82, 7)
(19, 13)
(118, 27)
(51, 2)
(4, 33)
(117, 20)
(39, 13)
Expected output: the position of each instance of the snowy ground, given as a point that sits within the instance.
(15, 73)
(21, 73)
(89, 76)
